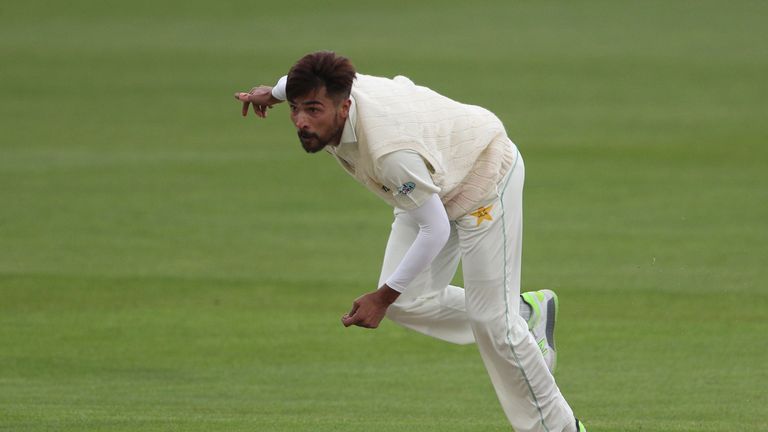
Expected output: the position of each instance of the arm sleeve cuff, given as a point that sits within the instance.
(278, 91)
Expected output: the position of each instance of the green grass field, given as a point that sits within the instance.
(166, 265)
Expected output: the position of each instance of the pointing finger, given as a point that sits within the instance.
(259, 110)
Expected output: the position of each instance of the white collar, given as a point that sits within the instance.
(348, 134)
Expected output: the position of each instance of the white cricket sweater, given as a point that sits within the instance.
(466, 147)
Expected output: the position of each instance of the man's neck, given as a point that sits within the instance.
(336, 140)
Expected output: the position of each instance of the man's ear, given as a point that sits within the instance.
(344, 108)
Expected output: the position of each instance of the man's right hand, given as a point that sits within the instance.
(260, 97)
(368, 310)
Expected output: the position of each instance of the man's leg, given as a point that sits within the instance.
(433, 307)
(491, 247)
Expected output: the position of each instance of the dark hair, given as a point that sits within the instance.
(321, 69)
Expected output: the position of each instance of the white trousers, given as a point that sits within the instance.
(486, 311)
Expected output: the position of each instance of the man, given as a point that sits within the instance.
(455, 180)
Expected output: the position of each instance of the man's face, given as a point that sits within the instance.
(319, 120)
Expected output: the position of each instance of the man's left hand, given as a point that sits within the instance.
(368, 310)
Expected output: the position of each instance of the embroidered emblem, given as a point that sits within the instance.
(483, 213)
(384, 188)
(406, 188)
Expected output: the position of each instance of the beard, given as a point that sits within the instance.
(313, 143)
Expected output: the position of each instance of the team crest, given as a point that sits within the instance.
(483, 213)
(406, 188)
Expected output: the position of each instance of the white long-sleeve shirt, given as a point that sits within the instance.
(406, 168)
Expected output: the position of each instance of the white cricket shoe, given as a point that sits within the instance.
(544, 307)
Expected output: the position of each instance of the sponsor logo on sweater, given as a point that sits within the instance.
(406, 188)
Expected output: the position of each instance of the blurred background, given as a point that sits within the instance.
(166, 264)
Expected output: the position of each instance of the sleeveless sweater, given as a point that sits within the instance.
(465, 147)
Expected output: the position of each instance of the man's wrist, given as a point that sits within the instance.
(387, 295)
(273, 100)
